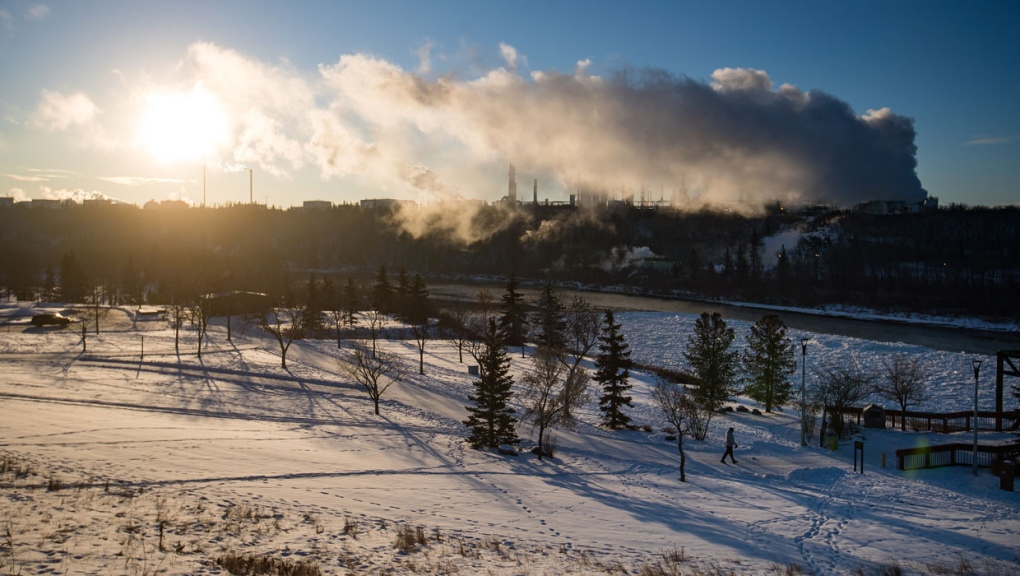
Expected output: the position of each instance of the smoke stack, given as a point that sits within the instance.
(535, 196)
(512, 193)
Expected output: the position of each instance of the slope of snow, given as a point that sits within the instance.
(169, 461)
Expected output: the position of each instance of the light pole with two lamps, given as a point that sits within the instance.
(977, 369)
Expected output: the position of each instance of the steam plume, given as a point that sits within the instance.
(735, 140)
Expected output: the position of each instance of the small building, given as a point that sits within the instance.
(316, 204)
(6, 202)
(44, 204)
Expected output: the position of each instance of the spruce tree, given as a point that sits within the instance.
(550, 321)
(769, 361)
(513, 321)
(612, 371)
(491, 418)
(382, 292)
(713, 362)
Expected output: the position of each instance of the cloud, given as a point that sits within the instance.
(74, 112)
(37, 12)
(992, 140)
(21, 178)
(58, 111)
(139, 180)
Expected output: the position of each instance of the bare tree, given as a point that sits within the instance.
(545, 403)
(91, 311)
(375, 320)
(371, 369)
(456, 322)
(682, 413)
(903, 382)
(197, 312)
(583, 326)
(286, 323)
(178, 314)
(841, 385)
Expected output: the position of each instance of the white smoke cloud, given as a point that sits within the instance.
(621, 258)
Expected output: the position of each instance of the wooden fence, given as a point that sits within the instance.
(944, 422)
(958, 454)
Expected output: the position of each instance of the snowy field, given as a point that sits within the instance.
(114, 463)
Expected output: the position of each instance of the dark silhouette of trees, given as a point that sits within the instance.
(712, 360)
(491, 417)
(769, 362)
(612, 372)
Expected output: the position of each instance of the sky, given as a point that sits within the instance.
(733, 104)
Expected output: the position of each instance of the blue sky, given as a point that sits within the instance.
(347, 100)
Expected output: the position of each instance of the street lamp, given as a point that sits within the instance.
(803, 403)
(977, 369)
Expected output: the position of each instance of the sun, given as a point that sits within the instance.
(182, 126)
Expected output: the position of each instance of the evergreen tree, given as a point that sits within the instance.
(314, 306)
(74, 282)
(550, 321)
(612, 371)
(783, 267)
(382, 292)
(491, 418)
(513, 321)
(417, 313)
(714, 363)
(769, 361)
(350, 302)
(402, 296)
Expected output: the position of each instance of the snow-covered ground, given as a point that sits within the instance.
(111, 463)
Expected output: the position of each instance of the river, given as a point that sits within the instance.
(950, 339)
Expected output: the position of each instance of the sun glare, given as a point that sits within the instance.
(182, 126)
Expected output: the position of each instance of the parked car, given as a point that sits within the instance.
(50, 320)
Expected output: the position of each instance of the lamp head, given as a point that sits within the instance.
(977, 366)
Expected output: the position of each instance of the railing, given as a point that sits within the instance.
(943, 422)
(957, 454)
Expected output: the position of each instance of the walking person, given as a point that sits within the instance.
(731, 443)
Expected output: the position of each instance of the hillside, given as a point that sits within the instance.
(111, 463)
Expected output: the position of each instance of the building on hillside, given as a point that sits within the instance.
(316, 204)
(44, 203)
(6, 202)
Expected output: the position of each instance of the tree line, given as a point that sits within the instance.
(955, 259)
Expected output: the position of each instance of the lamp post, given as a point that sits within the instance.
(977, 369)
(803, 403)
